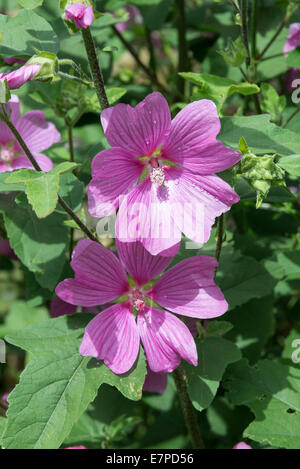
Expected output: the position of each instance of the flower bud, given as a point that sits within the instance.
(18, 77)
(80, 13)
(47, 63)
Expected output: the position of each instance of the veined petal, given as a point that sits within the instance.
(112, 336)
(209, 158)
(140, 264)
(195, 125)
(189, 289)
(145, 215)
(38, 134)
(197, 201)
(115, 172)
(43, 161)
(166, 340)
(99, 276)
(140, 130)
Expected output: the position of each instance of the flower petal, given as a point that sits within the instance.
(145, 216)
(59, 308)
(38, 133)
(112, 336)
(13, 108)
(99, 276)
(140, 264)
(195, 125)
(189, 289)
(166, 340)
(115, 173)
(43, 161)
(197, 201)
(140, 130)
(155, 382)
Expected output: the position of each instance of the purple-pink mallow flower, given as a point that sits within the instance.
(114, 335)
(76, 447)
(59, 308)
(81, 14)
(161, 172)
(242, 445)
(18, 77)
(293, 38)
(155, 382)
(14, 60)
(6, 250)
(37, 133)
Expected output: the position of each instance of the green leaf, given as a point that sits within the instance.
(20, 316)
(291, 164)
(41, 188)
(39, 244)
(25, 32)
(30, 4)
(253, 324)
(218, 328)
(216, 88)
(13, 187)
(293, 59)
(235, 53)
(272, 391)
(271, 102)
(214, 355)
(155, 15)
(3, 422)
(262, 136)
(64, 383)
(242, 278)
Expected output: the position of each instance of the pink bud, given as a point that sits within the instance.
(242, 445)
(82, 15)
(18, 77)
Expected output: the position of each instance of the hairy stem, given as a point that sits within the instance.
(152, 62)
(37, 167)
(245, 33)
(220, 233)
(144, 67)
(95, 67)
(188, 410)
(253, 27)
(72, 159)
(182, 44)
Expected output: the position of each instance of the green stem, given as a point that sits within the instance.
(67, 76)
(274, 56)
(75, 67)
(144, 67)
(281, 26)
(245, 34)
(95, 67)
(152, 62)
(188, 410)
(253, 28)
(220, 235)
(182, 44)
(291, 117)
(72, 159)
(37, 167)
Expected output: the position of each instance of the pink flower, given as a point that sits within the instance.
(4, 398)
(6, 250)
(114, 335)
(76, 447)
(242, 445)
(180, 193)
(155, 382)
(82, 15)
(293, 39)
(134, 17)
(18, 77)
(59, 308)
(14, 60)
(37, 133)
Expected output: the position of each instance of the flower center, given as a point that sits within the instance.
(7, 153)
(157, 176)
(137, 300)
